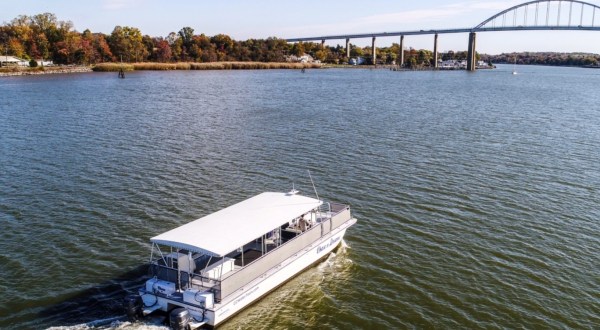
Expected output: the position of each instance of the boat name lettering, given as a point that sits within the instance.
(245, 295)
(328, 244)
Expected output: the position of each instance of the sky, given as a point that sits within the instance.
(244, 19)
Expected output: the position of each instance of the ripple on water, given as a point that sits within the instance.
(476, 209)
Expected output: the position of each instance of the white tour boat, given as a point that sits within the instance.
(209, 269)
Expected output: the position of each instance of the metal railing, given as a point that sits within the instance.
(340, 213)
(337, 214)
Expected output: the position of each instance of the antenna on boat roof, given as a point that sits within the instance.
(313, 184)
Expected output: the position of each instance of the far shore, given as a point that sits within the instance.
(150, 66)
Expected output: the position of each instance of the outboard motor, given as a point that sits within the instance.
(179, 319)
(133, 306)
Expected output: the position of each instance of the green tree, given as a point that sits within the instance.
(126, 42)
(298, 49)
(356, 51)
(186, 36)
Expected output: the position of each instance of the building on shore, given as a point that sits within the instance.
(12, 61)
(305, 58)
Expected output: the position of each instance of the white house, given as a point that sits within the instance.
(448, 64)
(12, 61)
(305, 59)
(41, 62)
(456, 64)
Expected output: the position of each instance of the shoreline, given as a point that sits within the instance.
(189, 66)
(152, 66)
(46, 70)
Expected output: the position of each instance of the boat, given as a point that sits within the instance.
(205, 271)
(514, 72)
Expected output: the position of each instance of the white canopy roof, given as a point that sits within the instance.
(230, 228)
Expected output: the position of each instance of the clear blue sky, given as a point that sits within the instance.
(243, 19)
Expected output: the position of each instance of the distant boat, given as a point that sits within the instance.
(514, 72)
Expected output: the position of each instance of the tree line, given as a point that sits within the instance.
(43, 36)
(547, 58)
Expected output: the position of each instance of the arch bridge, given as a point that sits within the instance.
(539, 15)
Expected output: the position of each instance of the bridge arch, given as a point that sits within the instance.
(543, 14)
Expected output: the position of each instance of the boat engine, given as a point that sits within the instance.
(179, 319)
(133, 306)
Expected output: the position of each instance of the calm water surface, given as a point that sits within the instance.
(478, 195)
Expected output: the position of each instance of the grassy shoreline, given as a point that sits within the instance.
(151, 66)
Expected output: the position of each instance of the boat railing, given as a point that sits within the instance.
(337, 215)
(258, 267)
(336, 208)
(340, 213)
(183, 280)
(235, 281)
(164, 273)
(201, 282)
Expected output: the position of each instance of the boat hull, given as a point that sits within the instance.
(278, 275)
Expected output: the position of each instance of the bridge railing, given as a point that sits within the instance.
(544, 13)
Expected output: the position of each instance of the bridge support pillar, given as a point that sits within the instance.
(471, 54)
(322, 44)
(347, 47)
(374, 52)
(401, 57)
(435, 51)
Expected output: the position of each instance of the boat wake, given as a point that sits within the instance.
(306, 289)
(118, 323)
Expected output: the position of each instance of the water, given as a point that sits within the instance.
(477, 194)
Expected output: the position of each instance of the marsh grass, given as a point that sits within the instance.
(107, 67)
(112, 67)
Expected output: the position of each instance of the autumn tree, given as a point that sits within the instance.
(126, 42)
(163, 51)
(223, 46)
(102, 49)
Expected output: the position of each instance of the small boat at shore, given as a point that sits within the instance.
(206, 271)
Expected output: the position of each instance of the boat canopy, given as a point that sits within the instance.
(230, 228)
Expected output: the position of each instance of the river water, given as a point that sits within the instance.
(477, 194)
